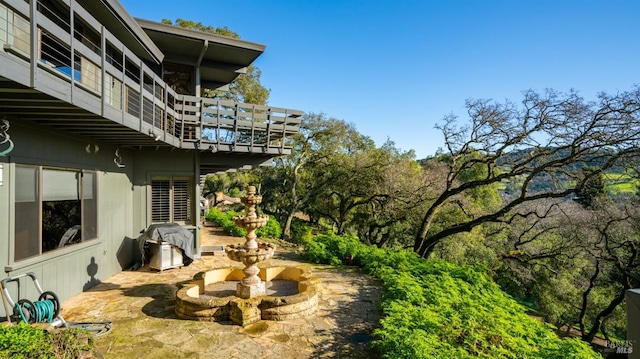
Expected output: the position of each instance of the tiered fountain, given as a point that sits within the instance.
(251, 252)
(262, 292)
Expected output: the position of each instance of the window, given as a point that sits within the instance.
(86, 34)
(14, 30)
(54, 208)
(114, 56)
(147, 110)
(132, 102)
(131, 70)
(171, 200)
(58, 13)
(179, 77)
(113, 91)
(90, 73)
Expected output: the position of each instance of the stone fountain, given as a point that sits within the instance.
(251, 252)
(262, 292)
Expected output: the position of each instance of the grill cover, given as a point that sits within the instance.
(171, 233)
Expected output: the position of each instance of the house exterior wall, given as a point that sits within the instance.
(74, 268)
(161, 162)
(124, 197)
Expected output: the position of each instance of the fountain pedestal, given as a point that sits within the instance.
(250, 291)
(251, 252)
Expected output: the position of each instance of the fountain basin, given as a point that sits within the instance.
(194, 303)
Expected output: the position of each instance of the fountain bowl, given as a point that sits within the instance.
(239, 253)
(251, 222)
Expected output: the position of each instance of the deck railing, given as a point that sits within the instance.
(220, 125)
(71, 56)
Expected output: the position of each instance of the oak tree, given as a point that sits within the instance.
(546, 140)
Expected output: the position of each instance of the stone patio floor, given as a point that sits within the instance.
(141, 306)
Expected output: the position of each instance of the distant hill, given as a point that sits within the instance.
(619, 180)
(595, 160)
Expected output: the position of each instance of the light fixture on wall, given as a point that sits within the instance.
(153, 134)
(118, 159)
(88, 149)
(4, 137)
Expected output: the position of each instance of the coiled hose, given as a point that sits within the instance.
(47, 308)
(44, 310)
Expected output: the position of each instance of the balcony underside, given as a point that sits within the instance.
(17, 101)
(219, 162)
(22, 105)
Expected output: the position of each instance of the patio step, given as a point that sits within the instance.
(212, 250)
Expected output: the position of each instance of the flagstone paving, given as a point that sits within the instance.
(141, 306)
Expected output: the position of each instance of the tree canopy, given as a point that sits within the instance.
(550, 136)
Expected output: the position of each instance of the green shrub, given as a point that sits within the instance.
(216, 216)
(225, 220)
(23, 341)
(436, 309)
(301, 231)
(271, 230)
(330, 248)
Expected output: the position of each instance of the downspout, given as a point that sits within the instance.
(197, 190)
(198, 88)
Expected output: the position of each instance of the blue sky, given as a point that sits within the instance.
(396, 68)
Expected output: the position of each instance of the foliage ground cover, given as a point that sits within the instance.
(225, 219)
(621, 183)
(436, 309)
(23, 341)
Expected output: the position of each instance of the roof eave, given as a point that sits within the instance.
(131, 23)
(199, 35)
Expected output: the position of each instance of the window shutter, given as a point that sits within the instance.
(181, 201)
(60, 185)
(160, 201)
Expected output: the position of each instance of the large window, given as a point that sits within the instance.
(113, 91)
(54, 208)
(15, 30)
(179, 77)
(171, 200)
